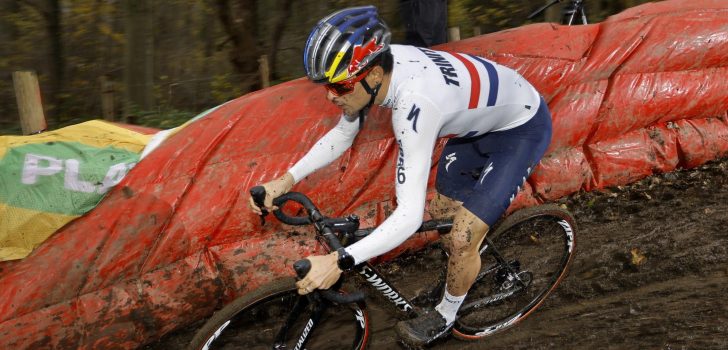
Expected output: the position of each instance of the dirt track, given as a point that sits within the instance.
(651, 272)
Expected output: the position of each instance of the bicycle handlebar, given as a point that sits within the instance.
(299, 198)
(258, 194)
(304, 265)
(324, 227)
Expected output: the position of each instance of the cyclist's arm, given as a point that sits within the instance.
(411, 175)
(327, 149)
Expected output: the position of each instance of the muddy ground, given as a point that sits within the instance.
(651, 272)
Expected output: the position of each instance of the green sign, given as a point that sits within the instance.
(61, 177)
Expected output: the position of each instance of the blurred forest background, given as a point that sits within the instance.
(164, 61)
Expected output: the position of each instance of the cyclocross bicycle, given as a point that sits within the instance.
(524, 257)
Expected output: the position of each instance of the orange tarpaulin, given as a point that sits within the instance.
(644, 91)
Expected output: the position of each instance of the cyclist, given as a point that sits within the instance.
(499, 128)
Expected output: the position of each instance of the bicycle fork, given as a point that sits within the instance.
(319, 308)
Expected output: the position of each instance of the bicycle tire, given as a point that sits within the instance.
(255, 319)
(542, 257)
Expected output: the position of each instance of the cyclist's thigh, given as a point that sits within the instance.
(494, 166)
(512, 156)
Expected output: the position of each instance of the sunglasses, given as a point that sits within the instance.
(347, 86)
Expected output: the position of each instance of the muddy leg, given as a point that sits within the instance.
(464, 264)
(443, 207)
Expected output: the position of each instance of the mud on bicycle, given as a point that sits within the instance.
(524, 257)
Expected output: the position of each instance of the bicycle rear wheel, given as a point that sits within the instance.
(535, 247)
(256, 320)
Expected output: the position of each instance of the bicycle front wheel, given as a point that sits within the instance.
(529, 255)
(276, 317)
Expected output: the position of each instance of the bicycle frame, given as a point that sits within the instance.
(379, 283)
(370, 274)
(339, 232)
(390, 293)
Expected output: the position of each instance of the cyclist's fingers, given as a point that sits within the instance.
(300, 284)
(253, 207)
(268, 202)
(303, 287)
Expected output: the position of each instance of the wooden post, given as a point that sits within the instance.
(30, 108)
(107, 98)
(476, 31)
(264, 71)
(453, 34)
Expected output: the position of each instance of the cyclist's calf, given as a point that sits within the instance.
(465, 239)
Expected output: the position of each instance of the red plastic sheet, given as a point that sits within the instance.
(630, 97)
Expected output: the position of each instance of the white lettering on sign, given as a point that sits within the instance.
(32, 167)
(36, 165)
(72, 182)
(115, 174)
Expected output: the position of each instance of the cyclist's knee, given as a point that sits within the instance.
(466, 243)
(468, 233)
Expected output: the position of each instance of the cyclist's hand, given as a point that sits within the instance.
(323, 274)
(273, 190)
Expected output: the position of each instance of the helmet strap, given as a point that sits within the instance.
(373, 93)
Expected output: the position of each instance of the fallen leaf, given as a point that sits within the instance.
(637, 257)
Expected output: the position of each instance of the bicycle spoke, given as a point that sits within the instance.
(521, 264)
(284, 320)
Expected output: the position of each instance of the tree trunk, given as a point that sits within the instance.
(283, 18)
(595, 11)
(138, 57)
(55, 34)
(553, 13)
(238, 21)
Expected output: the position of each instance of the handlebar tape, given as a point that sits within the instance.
(298, 198)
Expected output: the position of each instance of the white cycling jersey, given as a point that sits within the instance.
(432, 94)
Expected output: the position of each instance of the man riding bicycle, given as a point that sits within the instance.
(498, 128)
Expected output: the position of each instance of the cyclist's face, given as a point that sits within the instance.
(351, 103)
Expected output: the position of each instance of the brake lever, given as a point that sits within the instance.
(258, 194)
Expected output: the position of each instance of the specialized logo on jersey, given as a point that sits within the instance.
(446, 68)
(487, 170)
(401, 178)
(413, 115)
(450, 158)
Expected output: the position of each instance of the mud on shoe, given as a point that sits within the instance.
(423, 330)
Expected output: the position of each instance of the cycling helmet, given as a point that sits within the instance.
(344, 43)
